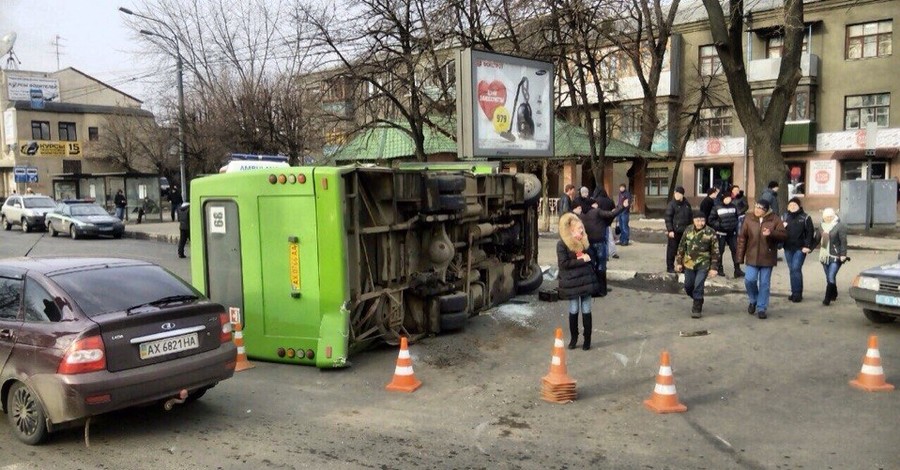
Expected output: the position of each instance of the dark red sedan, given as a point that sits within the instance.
(84, 336)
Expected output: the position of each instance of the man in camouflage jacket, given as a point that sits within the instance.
(698, 257)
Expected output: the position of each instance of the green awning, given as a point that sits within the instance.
(388, 142)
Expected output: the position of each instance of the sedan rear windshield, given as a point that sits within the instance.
(114, 289)
(39, 202)
(88, 209)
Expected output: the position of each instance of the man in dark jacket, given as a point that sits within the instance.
(799, 227)
(120, 203)
(724, 220)
(184, 227)
(758, 248)
(678, 218)
(175, 199)
(583, 201)
(770, 195)
(596, 225)
(707, 204)
(566, 203)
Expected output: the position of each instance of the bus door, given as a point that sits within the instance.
(222, 241)
(290, 271)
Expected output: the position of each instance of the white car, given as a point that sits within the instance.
(27, 211)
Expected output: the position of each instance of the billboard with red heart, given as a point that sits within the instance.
(505, 106)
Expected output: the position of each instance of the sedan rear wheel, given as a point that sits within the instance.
(52, 230)
(26, 415)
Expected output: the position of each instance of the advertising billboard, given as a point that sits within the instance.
(24, 88)
(49, 148)
(504, 106)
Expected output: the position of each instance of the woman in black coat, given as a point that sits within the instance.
(577, 281)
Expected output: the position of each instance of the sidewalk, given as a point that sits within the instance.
(645, 258)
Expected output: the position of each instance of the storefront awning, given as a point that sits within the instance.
(860, 154)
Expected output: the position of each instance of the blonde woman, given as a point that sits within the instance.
(833, 252)
(577, 281)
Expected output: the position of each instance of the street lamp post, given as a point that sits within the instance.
(179, 67)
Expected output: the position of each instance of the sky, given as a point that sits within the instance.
(93, 39)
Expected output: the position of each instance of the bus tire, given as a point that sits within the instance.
(532, 281)
(448, 184)
(452, 303)
(453, 321)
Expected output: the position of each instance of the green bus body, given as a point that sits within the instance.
(317, 263)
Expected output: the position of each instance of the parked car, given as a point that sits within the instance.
(877, 291)
(26, 211)
(80, 218)
(80, 337)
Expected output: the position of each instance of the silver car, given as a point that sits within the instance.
(27, 211)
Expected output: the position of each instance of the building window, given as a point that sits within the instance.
(67, 131)
(775, 46)
(796, 177)
(657, 182)
(869, 40)
(709, 176)
(859, 110)
(40, 130)
(803, 106)
(72, 166)
(93, 134)
(714, 122)
(631, 119)
(709, 61)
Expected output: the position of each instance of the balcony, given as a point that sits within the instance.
(762, 70)
(798, 136)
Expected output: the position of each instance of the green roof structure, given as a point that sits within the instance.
(386, 142)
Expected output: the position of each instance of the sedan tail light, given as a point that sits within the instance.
(225, 322)
(85, 355)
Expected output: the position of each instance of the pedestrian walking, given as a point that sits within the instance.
(724, 220)
(833, 252)
(799, 242)
(184, 227)
(566, 203)
(770, 195)
(577, 281)
(607, 204)
(583, 201)
(175, 199)
(758, 249)
(625, 217)
(120, 202)
(596, 225)
(707, 204)
(697, 257)
(678, 218)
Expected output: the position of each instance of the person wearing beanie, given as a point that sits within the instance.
(724, 220)
(678, 218)
(799, 242)
(577, 281)
(697, 257)
(770, 195)
(758, 249)
(833, 252)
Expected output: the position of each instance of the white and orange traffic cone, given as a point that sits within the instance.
(871, 377)
(242, 362)
(404, 379)
(664, 398)
(557, 386)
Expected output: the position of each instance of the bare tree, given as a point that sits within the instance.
(763, 127)
(138, 144)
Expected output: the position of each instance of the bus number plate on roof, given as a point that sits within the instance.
(295, 267)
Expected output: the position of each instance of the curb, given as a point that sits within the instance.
(158, 237)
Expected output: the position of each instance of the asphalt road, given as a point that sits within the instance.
(760, 395)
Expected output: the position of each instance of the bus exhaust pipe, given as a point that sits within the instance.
(171, 402)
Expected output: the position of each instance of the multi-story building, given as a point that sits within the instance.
(843, 98)
(53, 125)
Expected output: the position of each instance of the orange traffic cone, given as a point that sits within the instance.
(557, 386)
(404, 379)
(871, 377)
(664, 399)
(242, 362)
